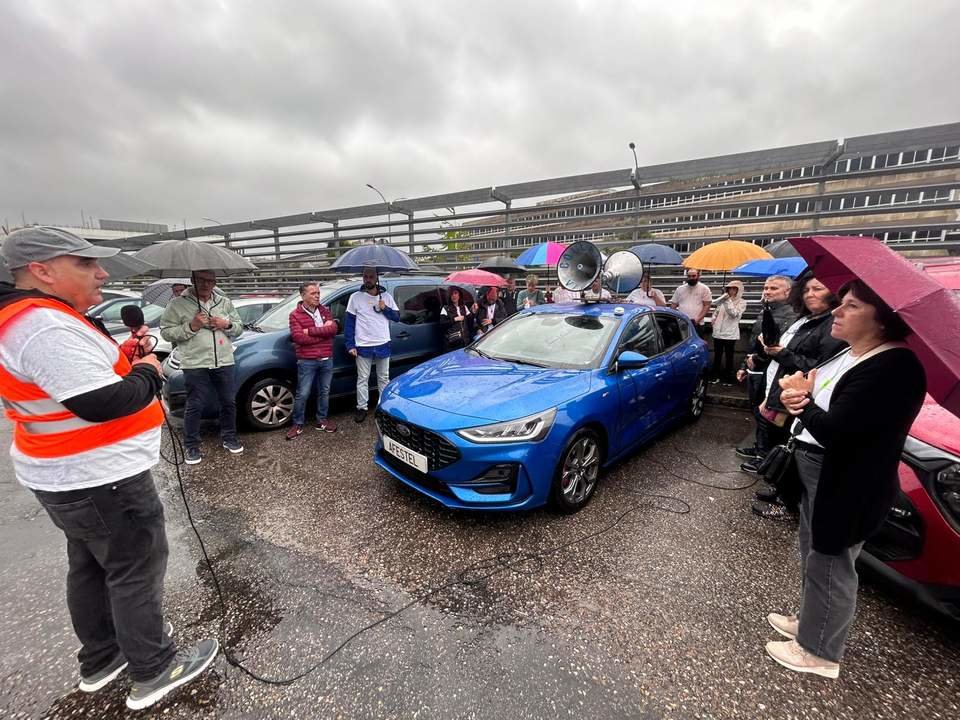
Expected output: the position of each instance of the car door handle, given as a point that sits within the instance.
(659, 374)
(402, 335)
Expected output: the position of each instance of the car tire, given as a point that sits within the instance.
(268, 403)
(577, 473)
(697, 399)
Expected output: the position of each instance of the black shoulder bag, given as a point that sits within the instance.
(779, 468)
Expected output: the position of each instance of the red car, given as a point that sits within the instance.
(918, 546)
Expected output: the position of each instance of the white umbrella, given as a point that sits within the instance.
(175, 258)
(160, 292)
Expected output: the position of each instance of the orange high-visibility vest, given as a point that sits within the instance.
(44, 428)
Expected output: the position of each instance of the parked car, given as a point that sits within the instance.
(918, 547)
(108, 311)
(114, 294)
(250, 309)
(531, 412)
(266, 367)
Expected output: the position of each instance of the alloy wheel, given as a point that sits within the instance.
(581, 466)
(272, 405)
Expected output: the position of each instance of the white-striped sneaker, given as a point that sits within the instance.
(103, 678)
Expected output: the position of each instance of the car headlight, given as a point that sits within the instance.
(526, 429)
(948, 487)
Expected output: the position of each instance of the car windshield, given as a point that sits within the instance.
(556, 340)
(278, 317)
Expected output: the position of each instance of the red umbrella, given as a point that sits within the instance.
(930, 310)
(475, 277)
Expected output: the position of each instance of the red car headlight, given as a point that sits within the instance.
(947, 485)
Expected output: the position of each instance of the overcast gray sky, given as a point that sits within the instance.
(169, 111)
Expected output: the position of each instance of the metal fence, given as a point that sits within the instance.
(902, 187)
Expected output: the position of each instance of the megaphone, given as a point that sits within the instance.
(622, 272)
(581, 264)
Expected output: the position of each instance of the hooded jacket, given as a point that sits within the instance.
(726, 316)
(204, 348)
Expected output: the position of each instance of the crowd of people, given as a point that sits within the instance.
(827, 374)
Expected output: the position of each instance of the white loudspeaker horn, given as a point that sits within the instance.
(622, 272)
(579, 266)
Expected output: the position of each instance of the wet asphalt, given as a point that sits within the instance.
(649, 603)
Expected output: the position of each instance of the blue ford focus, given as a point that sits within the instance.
(533, 411)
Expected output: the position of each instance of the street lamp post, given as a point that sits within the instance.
(226, 236)
(635, 179)
(387, 205)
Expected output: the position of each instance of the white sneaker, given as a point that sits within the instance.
(786, 625)
(789, 654)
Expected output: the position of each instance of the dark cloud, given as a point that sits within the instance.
(167, 111)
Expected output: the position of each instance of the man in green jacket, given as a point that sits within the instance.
(202, 322)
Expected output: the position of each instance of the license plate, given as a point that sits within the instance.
(411, 458)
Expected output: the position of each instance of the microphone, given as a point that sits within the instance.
(132, 317)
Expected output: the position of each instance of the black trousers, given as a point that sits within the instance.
(117, 553)
(723, 349)
(199, 383)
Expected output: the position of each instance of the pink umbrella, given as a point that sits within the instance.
(930, 310)
(475, 277)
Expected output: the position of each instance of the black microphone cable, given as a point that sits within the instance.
(470, 575)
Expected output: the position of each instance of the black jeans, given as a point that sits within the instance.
(723, 349)
(117, 555)
(199, 382)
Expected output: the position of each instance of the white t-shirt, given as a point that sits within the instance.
(828, 375)
(372, 326)
(784, 340)
(66, 358)
(690, 299)
(642, 297)
(602, 296)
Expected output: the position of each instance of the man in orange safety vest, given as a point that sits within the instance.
(86, 433)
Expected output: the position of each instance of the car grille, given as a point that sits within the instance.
(413, 475)
(439, 451)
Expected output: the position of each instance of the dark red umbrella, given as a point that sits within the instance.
(475, 277)
(930, 310)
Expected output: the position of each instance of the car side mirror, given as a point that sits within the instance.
(629, 359)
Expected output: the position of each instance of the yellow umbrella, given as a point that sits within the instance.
(725, 255)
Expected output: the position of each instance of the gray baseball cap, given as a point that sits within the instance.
(38, 244)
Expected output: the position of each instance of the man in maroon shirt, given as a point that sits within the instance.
(312, 329)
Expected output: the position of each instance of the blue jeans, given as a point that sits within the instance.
(199, 382)
(310, 373)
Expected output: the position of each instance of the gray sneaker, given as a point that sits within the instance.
(104, 677)
(191, 456)
(184, 668)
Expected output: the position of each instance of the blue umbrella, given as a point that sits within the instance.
(382, 257)
(656, 254)
(789, 266)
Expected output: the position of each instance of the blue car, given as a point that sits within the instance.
(266, 367)
(531, 412)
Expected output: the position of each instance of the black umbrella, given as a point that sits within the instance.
(501, 264)
(781, 249)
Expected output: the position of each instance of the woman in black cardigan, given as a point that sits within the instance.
(855, 411)
(803, 345)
